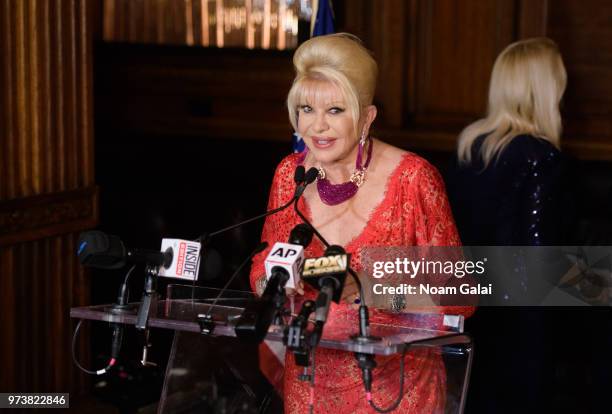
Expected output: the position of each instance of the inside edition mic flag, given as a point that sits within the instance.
(186, 261)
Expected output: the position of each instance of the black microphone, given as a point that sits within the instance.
(300, 179)
(299, 174)
(107, 251)
(301, 234)
(309, 178)
(311, 175)
(326, 274)
(257, 317)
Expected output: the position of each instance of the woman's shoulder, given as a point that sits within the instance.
(287, 166)
(401, 159)
(410, 168)
(530, 149)
(291, 161)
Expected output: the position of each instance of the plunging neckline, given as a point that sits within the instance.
(374, 213)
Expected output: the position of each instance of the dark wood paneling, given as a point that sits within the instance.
(583, 31)
(192, 91)
(46, 98)
(390, 48)
(47, 192)
(532, 18)
(457, 43)
(44, 281)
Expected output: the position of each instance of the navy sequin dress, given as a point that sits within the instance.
(512, 202)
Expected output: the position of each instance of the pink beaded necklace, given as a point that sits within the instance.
(333, 194)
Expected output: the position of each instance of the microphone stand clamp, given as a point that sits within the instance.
(150, 297)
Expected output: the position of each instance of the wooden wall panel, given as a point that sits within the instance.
(457, 43)
(37, 329)
(46, 98)
(47, 191)
(389, 46)
(200, 92)
(583, 32)
(445, 51)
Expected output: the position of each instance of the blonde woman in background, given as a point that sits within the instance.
(509, 161)
(505, 189)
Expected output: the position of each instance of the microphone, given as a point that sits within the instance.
(301, 234)
(283, 265)
(326, 274)
(296, 335)
(328, 271)
(288, 256)
(309, 178)
(105, 251)
(299, 174)
(185, 263)
(257, 317)
(301, 180)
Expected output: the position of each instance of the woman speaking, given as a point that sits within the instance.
(367, 194)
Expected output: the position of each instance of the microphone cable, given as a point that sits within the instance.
(102, 371)
(124, 291)
(326, 244)
(122, 301)
(399, 398)
(311, 399)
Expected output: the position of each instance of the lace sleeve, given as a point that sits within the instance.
(435, 226)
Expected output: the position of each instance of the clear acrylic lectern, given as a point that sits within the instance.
(200, 365)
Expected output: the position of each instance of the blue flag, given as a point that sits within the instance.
(323, 16)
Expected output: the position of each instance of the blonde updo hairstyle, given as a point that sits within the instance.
(527, 84)
(337, 58)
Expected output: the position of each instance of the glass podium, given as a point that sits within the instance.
(210, 369)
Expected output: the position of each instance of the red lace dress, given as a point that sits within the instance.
(413, 212)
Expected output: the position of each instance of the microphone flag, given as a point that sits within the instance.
(288, 256)
(186, 260)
